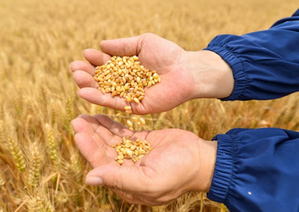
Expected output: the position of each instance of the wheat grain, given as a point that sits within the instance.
(34, 166)
(38, 204)
(17, 155)
(134, 150)
(52, 143)
(125, 77)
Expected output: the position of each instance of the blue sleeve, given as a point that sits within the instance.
(257, 170)
(265, 63)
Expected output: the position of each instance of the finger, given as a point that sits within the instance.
(129, 198)
(83, 79)
(132, 198)
(80, 125)
(114, 127)
(140, 199)
(84, 138)
(84, 66)
(121, 47)
(91, 127)
(131, 179)
(108, 130)
(91, 146)
(88, 120)
(95, 96)
(94, 151)
(96, 57)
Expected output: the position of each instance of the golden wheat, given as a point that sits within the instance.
(17, 154)
(34, 165)
(38, 96)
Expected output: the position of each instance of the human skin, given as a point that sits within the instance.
(185, 75)
(179, 161)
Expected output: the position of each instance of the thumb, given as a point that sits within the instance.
(125, 178)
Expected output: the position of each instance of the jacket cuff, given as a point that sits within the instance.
(223, 173)
(237, 67)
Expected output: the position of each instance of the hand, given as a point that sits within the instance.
(184, 75)
(179, 161)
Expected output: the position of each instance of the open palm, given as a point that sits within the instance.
(168, 59)
(169, 170)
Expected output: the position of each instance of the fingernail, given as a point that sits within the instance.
(94, 181)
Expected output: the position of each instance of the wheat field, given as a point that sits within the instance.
(41, 168)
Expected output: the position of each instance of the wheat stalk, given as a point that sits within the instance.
(17, 155)
(34, 166)
(40, 204)
(52, 143)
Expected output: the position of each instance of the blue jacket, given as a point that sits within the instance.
(258, 169)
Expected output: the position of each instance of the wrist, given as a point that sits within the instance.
(212, 76)
(206, 165)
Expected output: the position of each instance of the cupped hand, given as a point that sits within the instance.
(179, 161)
(169, 60)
